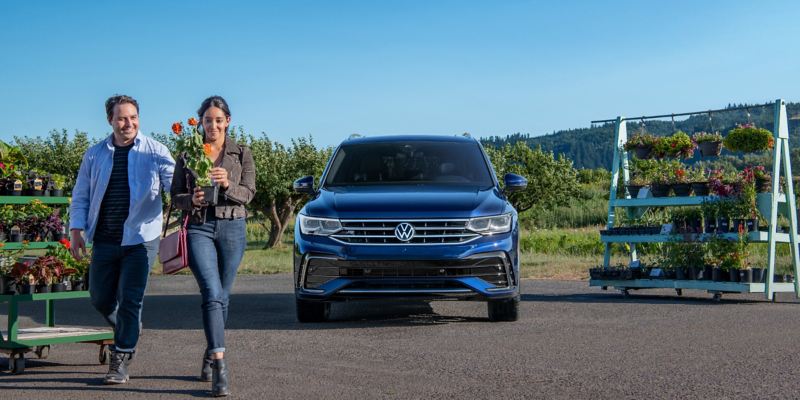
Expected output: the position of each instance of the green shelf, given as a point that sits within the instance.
(29, 199)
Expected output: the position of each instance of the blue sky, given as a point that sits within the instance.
(333, 68)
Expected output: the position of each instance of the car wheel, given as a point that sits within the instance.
(503, 310)
(312, 311)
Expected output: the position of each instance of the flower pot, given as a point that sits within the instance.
(788, 278)
(680, 274)
(43, 288)
(77, 285)
(16, 192)
(752, 225)
(717, 275)
(778, 278)
(642, 152)
(633, 190)
(57, 193)
(733, 275)
(745, 275)
(758, 275)
(14, 237)
(58, 287)
(763, 185)
(660, 190)
(210, 194)
(4, 282)
(700, 188)
(710, 149)
(25, 288)
(723, 225)
(682, 189)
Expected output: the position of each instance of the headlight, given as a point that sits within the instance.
(490, 225)
(319, 226)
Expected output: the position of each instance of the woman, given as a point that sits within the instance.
(216, 234)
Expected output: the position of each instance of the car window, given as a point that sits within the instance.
(412, 162)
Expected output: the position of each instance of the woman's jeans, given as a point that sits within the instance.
(216, 248)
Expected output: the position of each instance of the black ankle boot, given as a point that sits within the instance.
(219, 379)
(205, 372)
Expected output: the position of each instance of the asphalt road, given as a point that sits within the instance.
(572, 341)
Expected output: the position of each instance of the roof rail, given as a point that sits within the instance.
(354, 136)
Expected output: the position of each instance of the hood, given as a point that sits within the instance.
(406, 202)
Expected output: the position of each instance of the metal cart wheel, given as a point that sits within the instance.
(42, 352)
(679, 292)
(717, 297)
(16, 363)
(625, 293)
(105, 354)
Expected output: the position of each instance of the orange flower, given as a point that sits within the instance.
(2, 245)
(177, 128)
(207, 149)
(192, 121)
(65, 243)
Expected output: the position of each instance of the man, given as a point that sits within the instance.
(116, 205)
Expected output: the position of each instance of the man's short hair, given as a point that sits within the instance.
(119, 99)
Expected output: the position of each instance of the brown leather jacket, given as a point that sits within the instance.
(238, 161)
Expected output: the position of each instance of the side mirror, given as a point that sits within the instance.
(304, 185)
(515, 183)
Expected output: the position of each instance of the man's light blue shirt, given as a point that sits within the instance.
(150, 168)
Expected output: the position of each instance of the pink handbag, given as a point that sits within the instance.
(172, 251)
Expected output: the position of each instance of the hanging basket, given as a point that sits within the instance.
(710, 149)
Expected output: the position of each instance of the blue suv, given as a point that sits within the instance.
(407, 217)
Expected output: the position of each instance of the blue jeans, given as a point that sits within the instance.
(117, 281)
(216, 248)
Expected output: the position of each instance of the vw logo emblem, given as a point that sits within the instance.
(404, 232)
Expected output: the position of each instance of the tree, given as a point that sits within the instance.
(277, 167)
(57, 153)
(551, 181)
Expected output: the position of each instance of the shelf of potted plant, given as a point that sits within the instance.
(707, 246)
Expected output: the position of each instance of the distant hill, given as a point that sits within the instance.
(591, 147)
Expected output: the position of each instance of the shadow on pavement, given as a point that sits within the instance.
(256, 311)
(642, 298)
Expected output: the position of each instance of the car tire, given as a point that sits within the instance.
(312, 311)
(503, 310)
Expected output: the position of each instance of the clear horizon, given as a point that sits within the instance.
(329, 70)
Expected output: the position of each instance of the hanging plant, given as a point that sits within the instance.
(641, 144)
(710, 144)
(749, 139)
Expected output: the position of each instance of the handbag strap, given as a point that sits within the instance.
(169, 212)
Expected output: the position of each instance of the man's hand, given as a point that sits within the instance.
(77, 246)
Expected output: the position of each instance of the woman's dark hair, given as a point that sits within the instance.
(214, 101)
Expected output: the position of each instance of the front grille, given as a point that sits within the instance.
(321, 270)
(428, 231)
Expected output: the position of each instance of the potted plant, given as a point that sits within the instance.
(53, 226)
(698, 180)
(710, 144)
(679, 145)
(24, 280)
(679, 179)
(748, 139)
(710, 211)
(197, 157)
(636, 183)
(6, 279)
(660, 184)
(57, 185)
(641, 144)
(761, 178)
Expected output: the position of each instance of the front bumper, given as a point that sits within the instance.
(487, 268)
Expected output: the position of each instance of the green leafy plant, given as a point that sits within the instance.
(747, 138)
(641, 140)
(729, 253)
(195, 153)
(696, 174)
(57, 181)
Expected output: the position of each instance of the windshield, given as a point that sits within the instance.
(412, 162)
